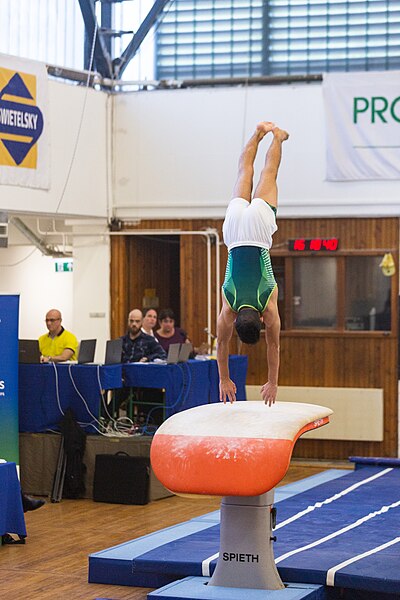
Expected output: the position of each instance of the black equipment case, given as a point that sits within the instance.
(121, 479)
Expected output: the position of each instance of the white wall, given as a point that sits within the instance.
(87, 185)
(82, 296)
(25, 271)
(91, 292)
(176, 153)
(86, 290)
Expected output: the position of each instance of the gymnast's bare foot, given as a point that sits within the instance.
(280, 134)
(264, 127)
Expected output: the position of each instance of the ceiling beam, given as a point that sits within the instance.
(120, 64)
(102, 58)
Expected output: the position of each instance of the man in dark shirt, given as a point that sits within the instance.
(138, 346)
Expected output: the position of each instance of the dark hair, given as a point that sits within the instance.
(166, 313)
(146, 310)
(248, 325)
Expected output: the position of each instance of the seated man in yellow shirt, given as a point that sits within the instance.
(59, 344)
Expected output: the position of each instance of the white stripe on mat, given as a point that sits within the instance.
(330, 575)
(338, 532)
(332, 498)
(205, 565)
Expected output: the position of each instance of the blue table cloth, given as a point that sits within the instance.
(186, 384)
(47, 390)
(11, 512)
(237, 371)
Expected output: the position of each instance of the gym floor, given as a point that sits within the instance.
(53, 564)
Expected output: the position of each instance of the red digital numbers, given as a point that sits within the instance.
(299, 245)
(331, 244)
(314, 245)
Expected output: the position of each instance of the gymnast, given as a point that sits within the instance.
(249, 291)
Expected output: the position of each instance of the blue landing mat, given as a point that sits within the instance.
(114, 565)
(344, 533)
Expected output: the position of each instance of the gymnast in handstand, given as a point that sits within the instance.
(249, 291)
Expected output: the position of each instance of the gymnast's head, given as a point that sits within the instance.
(248, 325)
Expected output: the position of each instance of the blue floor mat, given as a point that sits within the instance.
(338, 528)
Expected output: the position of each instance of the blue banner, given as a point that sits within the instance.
(9, 310)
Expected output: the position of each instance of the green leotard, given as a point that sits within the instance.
(249, 279)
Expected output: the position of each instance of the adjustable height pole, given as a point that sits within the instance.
(246, 557)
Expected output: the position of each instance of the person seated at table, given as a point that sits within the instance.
(58, 345)
(169, 333)
(149, 321)
(138, 346)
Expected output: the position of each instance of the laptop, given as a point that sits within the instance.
(178, 353)
(29, 353)
(113, 352)
(87, 348)
(173, 354)
(184, 352)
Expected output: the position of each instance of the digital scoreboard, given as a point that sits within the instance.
(314, 245)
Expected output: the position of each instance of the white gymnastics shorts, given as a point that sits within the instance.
(249, 223)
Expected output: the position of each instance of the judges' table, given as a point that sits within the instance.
(47, 390)
(185, 384)
(11, 513)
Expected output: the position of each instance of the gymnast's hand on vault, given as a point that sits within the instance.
(268, 393)
(227, 389)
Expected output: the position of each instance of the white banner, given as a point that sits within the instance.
(24, 131)
(362, 114)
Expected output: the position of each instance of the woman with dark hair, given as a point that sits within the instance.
(168, 333)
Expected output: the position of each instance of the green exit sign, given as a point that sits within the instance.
(64, 266)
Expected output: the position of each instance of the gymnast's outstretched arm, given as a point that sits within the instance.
(272, 332)
(226, 320)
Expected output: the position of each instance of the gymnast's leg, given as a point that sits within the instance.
(266, 187)
(244, 182)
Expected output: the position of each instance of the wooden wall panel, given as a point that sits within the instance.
(180, 278)
(353, 234)
(194, 283)
(118, 285)
(320, 359)
(193, 286)
(336, 362)
(335, 359)
(154, 263)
